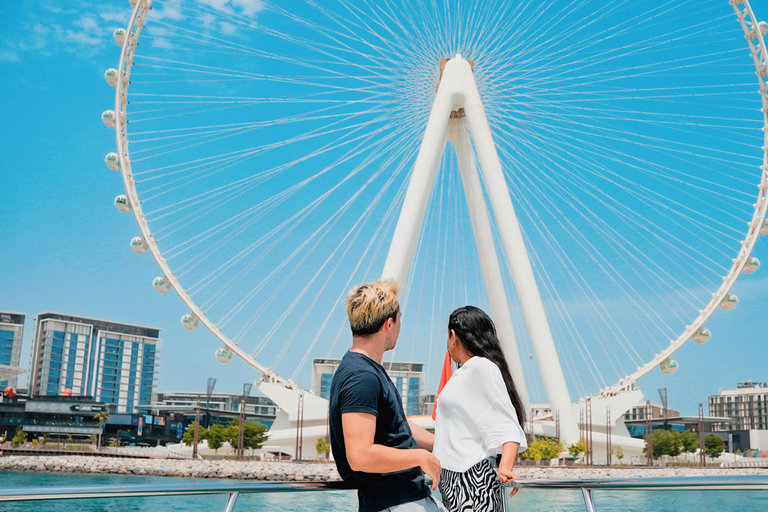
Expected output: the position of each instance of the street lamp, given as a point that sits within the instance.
(209, 392)
(241, 427)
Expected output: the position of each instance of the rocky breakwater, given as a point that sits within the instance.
(582, 473)
(308, 472)
(189, 468)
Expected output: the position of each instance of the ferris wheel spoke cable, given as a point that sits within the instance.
(441, 238)
(383, 226)
(662, 202)
(257, 178)
(250, 296)
(628, 215)
(610, 233)
(310, 63)
(634, 218)
(286, 313)
(290, 222)
(567, 263)
(242, 186)
(584, 289)
(562, 257)
(292, 256)
(588, 249)
(612, 133)
(243, 130)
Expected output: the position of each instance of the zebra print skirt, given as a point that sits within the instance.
(475, 490)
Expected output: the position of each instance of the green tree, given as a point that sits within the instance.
(19, 438)
(713, 446)
(322, 447)
(254, 436)
(216, 436)
(690, 441)
(543, 448)
(189, 435)
(101, 417)
(665, 442)
(576, 448)
(618, 452)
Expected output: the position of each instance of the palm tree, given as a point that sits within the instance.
(101, 416)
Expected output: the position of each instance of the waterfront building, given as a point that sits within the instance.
(408, 378)
(638, 412)
(11, 333)
(220, 408)
(62, 418)
(747, 405)
(112, 362)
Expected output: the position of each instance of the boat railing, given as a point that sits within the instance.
(235, 489)
(687, 483)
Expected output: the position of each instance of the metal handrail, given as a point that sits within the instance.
(234, 489)
(685, 483)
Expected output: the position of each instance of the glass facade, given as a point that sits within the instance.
(325, 385)
(11, 332)
(113, 363)
(407, 377)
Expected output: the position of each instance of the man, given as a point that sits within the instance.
(377, 450)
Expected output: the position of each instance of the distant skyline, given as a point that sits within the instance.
(66, 247)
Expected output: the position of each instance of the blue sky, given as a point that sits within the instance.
(66, 246)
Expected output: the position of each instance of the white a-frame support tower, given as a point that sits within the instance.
(457, 101)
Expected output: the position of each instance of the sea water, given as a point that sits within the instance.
(551, 500)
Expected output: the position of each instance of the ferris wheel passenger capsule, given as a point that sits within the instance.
(111, 76)
(729, 302)
(223, 354)
(764, 228)
(763, 27)
(112, 161)
(108, 116)
(668, 366)
(122, 204)
(139, 245)
(133, 2)
(751, 265)
(702, 335)
(119, 35)
(189, 321)
(161, 284)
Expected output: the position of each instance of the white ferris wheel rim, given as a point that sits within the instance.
(760, 57)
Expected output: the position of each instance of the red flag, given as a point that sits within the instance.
(447, 372)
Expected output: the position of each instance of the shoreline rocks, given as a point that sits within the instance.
(308, 471)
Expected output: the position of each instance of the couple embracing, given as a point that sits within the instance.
(479, 415)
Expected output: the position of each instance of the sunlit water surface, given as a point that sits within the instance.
(342, 501)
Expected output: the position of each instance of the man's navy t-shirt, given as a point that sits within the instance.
(361, 385)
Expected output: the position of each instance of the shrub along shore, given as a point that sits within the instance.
(306, 471)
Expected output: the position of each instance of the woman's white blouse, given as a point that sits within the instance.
(475, 417)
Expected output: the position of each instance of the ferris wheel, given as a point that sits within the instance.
(266, 149)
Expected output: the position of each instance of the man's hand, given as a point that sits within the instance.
(431, 467)
(366, 456)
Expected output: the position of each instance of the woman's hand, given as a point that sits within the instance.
(505, 475)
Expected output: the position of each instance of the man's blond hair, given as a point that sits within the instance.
(369, 305)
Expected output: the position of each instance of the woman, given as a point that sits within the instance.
(479, 415)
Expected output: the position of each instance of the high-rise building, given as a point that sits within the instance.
(747, 404)
(11, 333)
(407, 377)
(112, 362)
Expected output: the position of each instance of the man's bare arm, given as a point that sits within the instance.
(366, 456)
(423, 437)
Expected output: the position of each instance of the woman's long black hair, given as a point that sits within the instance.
(477, 333)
